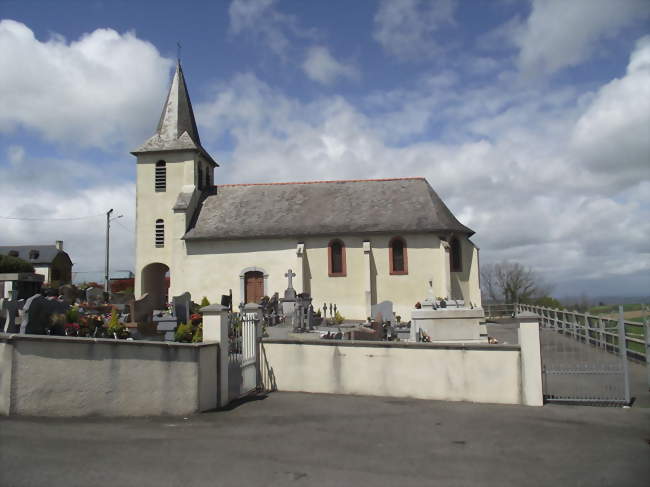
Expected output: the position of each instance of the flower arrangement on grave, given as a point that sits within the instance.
(205, 302)
(196, 319)
(184, 333)
(338, 318)
(198, 334)
(115, 328)
(72, 315)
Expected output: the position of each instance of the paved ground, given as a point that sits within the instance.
(326, 440)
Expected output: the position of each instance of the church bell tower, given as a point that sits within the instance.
(173, 172)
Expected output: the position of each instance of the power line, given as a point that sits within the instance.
(49, 219)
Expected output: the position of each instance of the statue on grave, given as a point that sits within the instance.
(430, 301)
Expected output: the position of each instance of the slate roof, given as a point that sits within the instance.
(404, 205)
(176, 128)
(46, 253)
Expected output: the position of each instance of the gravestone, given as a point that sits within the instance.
(94, 295)
(182, 307)
(290, 296)
(383, 311)
(37, 313)
(142, 309)
(8, 312)
(69, 293)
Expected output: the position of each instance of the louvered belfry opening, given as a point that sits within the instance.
(160, 233)
(161, 176)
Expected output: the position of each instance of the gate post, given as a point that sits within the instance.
(622, 350)
(531, 360)
(215, 329)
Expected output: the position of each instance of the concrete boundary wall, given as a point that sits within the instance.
(476, 373)
(65, 376)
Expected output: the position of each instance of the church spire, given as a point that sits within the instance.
(176, 128)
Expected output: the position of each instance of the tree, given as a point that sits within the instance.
(14, 264)
(511, 282)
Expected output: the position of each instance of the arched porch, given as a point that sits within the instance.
(155, 282)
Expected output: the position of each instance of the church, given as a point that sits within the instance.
(353, 243)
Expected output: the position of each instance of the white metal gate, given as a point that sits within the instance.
(578, 365)
(243, 354)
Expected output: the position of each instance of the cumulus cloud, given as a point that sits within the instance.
(321, 67)
(407, 28)
(101, 90)
(613, 134)
(509, 163)
(558, 34)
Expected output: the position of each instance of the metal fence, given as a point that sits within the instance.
(596, 330)
(494, 311)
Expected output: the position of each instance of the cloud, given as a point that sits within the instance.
(559, 34)
(406, 28)
(321, 67)
(70, 199)
(510, 162)
(264, 23)
(613, 134)
(101, 90)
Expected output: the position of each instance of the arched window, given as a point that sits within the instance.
(397, 256)
(455, 259)
(161, 176)
(200, 178)
(336, 258)
(160, 233)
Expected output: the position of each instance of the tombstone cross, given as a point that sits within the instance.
(290, 275)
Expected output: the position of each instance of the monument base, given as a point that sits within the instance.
(450, 325)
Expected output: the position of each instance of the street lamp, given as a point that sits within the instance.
(107, 287)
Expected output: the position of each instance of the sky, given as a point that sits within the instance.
(530, 118)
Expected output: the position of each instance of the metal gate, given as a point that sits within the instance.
(576, 368)
(243, 356)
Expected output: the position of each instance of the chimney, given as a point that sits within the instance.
(59, 245)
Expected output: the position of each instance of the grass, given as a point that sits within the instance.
(613, 308)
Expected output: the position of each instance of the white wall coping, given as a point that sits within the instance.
(11, 337)
(377, 344)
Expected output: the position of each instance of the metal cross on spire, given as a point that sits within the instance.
(178, 51)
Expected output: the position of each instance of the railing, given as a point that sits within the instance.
(596, 330)
(493, 311)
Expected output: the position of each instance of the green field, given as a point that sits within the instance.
(613, 308)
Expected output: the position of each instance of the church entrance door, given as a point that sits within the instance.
(253, 287)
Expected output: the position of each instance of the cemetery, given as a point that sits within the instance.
(67, 352)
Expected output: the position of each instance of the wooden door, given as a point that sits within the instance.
(254, 286)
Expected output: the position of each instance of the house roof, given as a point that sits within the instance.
(240, 211)
(43, 254)
(176, 128)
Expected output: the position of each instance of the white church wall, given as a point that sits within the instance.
(212, 268)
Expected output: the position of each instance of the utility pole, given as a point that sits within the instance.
(107, 287)
(108, 232)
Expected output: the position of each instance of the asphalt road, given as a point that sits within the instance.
(297, 439)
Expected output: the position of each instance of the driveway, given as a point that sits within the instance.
(329, 440)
